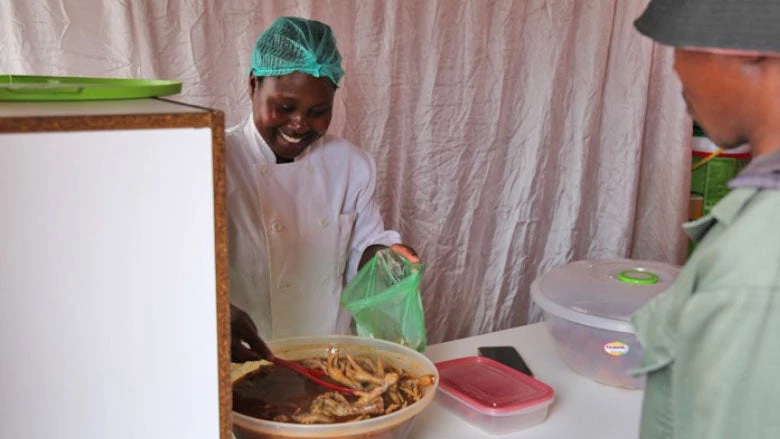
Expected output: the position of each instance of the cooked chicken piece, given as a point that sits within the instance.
(394, 396)
(335, 371)
(425, 380)
(389, 380)
(311, 418)
(356, 372)
(336, 405)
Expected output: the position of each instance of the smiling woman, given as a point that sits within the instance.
(301, 205)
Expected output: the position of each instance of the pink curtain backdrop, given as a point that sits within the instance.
(511, 136)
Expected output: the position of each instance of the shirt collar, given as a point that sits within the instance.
(260, 149)
(762, 173)
(725, 212)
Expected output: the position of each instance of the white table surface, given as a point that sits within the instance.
(582, 408)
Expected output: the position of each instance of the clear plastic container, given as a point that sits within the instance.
(491, 396)
(396, 425)
(587, 306)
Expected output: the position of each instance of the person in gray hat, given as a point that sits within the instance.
(712, 342)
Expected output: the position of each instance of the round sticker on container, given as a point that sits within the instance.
(616, 348)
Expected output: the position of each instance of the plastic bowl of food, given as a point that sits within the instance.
(395, 425)
(587, 308)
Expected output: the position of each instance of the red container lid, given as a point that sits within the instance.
(491, 387)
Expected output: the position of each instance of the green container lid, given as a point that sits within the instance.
(70, 88)
(638, 277)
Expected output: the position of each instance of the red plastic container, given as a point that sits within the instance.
(491, 396)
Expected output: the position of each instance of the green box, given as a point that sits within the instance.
(711, 179)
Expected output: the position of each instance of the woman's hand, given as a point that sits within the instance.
(406, 252)
(243, 332)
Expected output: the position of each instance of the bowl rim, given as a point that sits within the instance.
(367, 425)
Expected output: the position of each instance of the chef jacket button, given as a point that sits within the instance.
(266, 170)
(276, 227)
(323, 222)
(310, 169)
(284, 285)
(324, 280)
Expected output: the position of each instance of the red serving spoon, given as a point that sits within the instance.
(315, 375)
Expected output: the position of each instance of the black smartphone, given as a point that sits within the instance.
(506, 355)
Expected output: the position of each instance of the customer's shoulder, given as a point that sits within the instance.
(765, 202)
(746, 252)
(759, 220)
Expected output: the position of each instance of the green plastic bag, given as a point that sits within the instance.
(384, 299)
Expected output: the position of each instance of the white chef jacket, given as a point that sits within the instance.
(297, 231)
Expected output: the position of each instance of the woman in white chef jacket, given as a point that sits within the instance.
(302, 214)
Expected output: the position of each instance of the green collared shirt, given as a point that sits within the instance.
(712, 342)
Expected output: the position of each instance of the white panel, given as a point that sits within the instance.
(107, 285)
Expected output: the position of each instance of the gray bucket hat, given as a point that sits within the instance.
(731, 25)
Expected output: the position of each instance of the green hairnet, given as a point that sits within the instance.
(294, 44)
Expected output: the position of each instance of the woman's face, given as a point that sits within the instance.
(291, 111)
